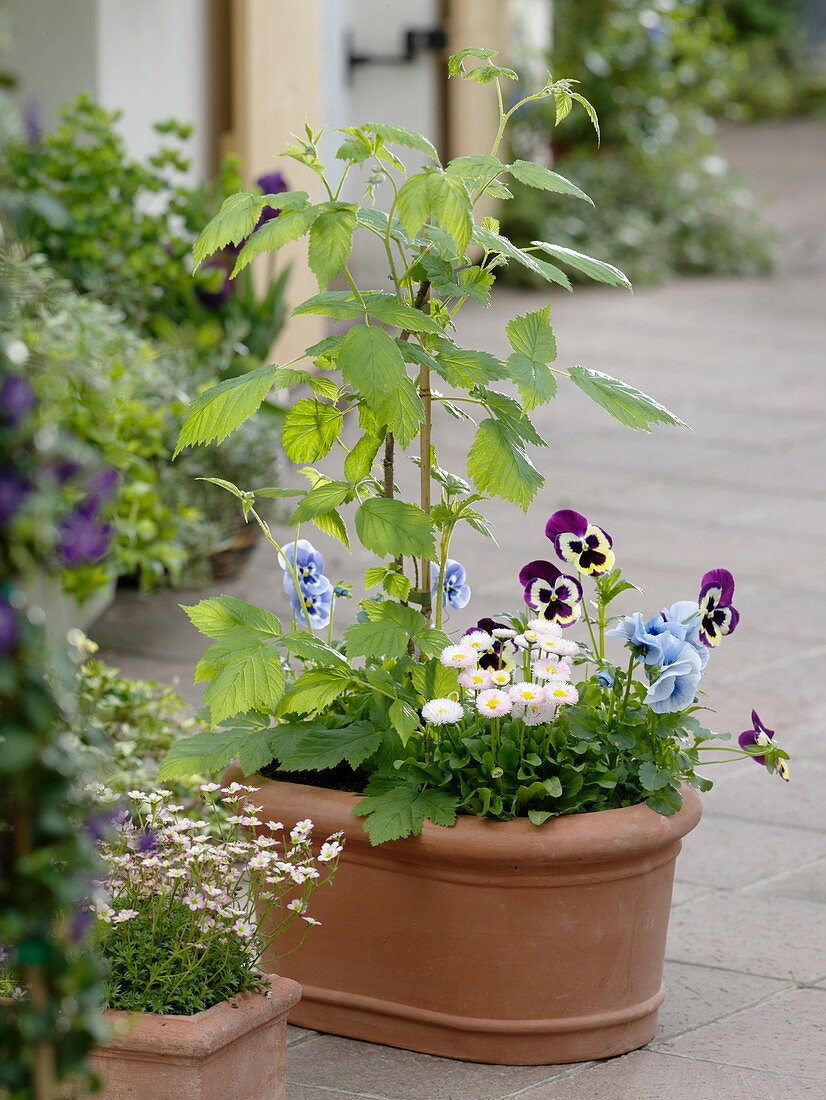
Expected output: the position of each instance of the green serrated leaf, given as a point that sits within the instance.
(206, 753)
(413, 203)
(598, 270)
(433, 681)
(475, 166)
(310, 430)
(324, 497)
(396, 585)
(254, 752)
(315, 689)
(401, 135)
(234, 221)
(492, 241)
(394, 809)
(654, 778)
(537, 175)
(333, 525)
(331, 238)
(450, 206)
(462, 367)
(499, 466)
(223, 408)
(338, 304)
(359, 462)
(303, 644)
(322, 748)
(631, 407)
(388, 527)
(375, 575)
(404, 719)
(454, 62)
(372, 363)
(532, 339)
(274, 234)
(241, 678)
(486, 74)
(509, 413)
(326, 387)
(388, 309)
(219, 616)
(384, 639)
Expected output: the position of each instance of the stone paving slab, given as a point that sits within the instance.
(696, 994)
(646, 1075)
(785, 1034)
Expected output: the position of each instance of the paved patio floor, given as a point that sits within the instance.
(744, 363)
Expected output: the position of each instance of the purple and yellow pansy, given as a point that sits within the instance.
(552, 594)
(580, 543)
(718, 616)
(762, 737)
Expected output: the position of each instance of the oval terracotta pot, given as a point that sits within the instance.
(499, 942)
(236, 1048)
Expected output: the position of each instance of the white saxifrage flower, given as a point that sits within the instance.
(440, 712)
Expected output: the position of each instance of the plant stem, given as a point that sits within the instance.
(425, 453)
(624, 703)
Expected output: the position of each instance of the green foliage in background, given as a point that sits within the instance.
(126, 233)
(96, 378)
(665, 200)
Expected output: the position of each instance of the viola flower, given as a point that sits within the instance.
(458, 656)
(82, 537)
(477, 679)
(561, 692)
(455, 593)
(554, 594)
(308, 562)
(271, 183)
(440, 712)
(493, 703)
(605, 678)
(676, 686)
(761, 736)
(718, 616)
(314, 602)
(580, 543)
(16, 399)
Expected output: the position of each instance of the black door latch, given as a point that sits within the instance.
(415, 43)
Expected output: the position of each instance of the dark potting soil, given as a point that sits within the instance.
(340, 778)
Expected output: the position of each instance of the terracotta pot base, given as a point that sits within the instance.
(237, 1048)
(498, 942)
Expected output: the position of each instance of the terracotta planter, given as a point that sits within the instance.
(498, 942)
(238, 1048)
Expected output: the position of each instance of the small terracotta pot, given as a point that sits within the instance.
(499, 942)
(237, 1048)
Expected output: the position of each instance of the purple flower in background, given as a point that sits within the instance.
(762, 736)
(147, 841)
(718, 616)
(81, 923)
(33, 122)
(82, 537)
(214, 287)
(501, 635)
(16, 399)
(551, 593)
(455, 593)
(100, 486)
(580, 543)
(8, 626)
(13, 490)
(272, 183)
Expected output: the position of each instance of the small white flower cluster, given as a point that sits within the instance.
(540, 648)
(218, 868)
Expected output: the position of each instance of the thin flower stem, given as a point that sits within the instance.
(290, 565)
(628, 682)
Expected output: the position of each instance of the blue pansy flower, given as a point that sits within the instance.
(650, 638)
(308, 562)
(317, 599)
(455, 593)
(605, 677)
(676, 686)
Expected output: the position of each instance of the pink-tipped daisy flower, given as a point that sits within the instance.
(477, 679)
(439, 712)
(493, 703)
(458, 656)
(560, 692)
(551, 668)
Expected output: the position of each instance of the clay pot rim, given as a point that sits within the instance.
(203, 1032)
(595, 837)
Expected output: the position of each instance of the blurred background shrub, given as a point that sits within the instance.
(660, 72)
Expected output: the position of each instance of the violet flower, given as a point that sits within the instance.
(214, 287)
(718, 616)
(501, 633)
(580, 543)
(551, 593)
(13, 490)
(8, 625)
(82, 538)
(16, 399)
(762, 736)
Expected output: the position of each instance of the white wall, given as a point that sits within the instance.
(149, 58)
